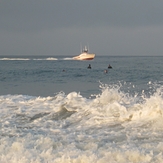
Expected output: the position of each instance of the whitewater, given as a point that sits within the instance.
(47, 115)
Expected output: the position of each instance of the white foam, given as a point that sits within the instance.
(68, 59)
(19, 59)
(111, 127)
(51, 58)
(26, 59)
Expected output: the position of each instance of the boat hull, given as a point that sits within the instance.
(84, 56)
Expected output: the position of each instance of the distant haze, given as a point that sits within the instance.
(57, 27)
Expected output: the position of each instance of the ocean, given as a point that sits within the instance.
(56, 110)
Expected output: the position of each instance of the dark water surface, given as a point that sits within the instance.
(40, 76)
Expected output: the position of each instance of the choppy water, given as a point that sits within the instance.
(81, 115)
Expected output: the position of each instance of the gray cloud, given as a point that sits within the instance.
(58, 27)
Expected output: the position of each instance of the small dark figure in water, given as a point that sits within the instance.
(105, 71)
(89, 66)
(109, 66)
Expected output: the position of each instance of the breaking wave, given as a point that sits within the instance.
(112, 126)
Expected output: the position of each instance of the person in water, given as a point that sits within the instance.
(89, 66)
(109, 66)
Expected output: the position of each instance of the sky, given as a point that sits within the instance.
(61, 27)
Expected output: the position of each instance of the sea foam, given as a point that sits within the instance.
(112, 126)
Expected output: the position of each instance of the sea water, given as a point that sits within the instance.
(54, 109)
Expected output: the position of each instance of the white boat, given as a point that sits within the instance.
(84, 55)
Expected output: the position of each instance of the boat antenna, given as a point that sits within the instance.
(88, 46)
(81, 47)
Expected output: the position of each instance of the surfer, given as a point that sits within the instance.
(109, 66)
(89, 66)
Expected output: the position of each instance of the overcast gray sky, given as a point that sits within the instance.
(58, 27)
